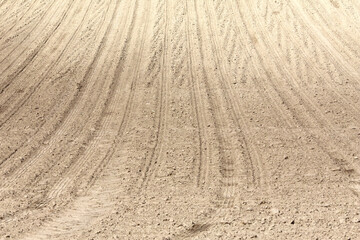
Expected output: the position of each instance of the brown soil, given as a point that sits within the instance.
(179, 119)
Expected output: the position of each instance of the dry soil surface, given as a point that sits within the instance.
(179, 119)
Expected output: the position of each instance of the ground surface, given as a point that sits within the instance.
(179, 119)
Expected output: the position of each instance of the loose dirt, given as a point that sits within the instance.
(186, 119)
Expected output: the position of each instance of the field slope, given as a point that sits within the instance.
(179, 119)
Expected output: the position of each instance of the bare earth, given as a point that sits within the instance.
(179, 119)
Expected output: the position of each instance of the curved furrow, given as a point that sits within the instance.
(324, 40)
(11, 22)
(269, 92)
(153, 79)
(6, 104)
(223, 22)
(67, 129)
(39, 127)
(323, 70)
(341, 12)
(95, 61)
(156, 157)
(8, 77)
(328, 69)
(12, 39)
(252, 155)
(252, 55)
(13, 9)
(309, 51)
(227, 43)
(307, 58)
(21, 22)
(268, 75)
(314, 114)
(81, 208)
(43, 78)
(15, 54)
(62, 74)
(201, 119)
(220, 152)
(68, 115)
(73, 102)
(334, 82)
(346, 40)
(294, 81)
(155, 70)
(110, 106)
(177, 60)
(233, 169)
(229, 179)
(340, 156)
(153, 67)
(24, 67)
(308, 105)
(180, 152)
(186, 119)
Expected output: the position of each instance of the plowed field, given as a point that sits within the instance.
(179, 119)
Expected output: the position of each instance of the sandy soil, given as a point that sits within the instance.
(179, 119)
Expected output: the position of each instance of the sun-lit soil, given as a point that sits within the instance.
(179, 119)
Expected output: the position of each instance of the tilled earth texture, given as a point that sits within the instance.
(179, 119)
